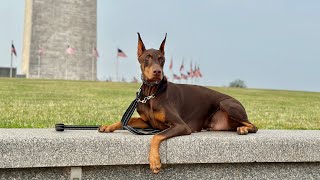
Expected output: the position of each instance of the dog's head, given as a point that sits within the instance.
(151, 61)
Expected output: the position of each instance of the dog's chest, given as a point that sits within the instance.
(155, 116)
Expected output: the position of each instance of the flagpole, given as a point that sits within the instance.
(92, 62)
(92, 68)
(11, 66)
(39, 61)
(66, 69)
(117, 70)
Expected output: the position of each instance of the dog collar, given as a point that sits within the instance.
(159, 89)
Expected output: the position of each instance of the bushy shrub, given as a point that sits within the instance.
(238, 83)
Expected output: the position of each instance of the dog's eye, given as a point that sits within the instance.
(161, 61)
(147, 58)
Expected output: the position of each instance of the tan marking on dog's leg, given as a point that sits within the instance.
(242, 130)
(143, 117)
(247, 128)
(110, 128)
(154, 155)
(133, 122)
(138, 123)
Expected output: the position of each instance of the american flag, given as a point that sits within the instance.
(70, 50)
(95, 53)
(190, 73)
(13, 50)
(195, 72)
(176, 77)
(183, 76)
(199, 72)
(121, 53)
(182, 65)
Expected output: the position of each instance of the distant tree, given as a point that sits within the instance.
(238, 83)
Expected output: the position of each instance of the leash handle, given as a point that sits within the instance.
(62, 127)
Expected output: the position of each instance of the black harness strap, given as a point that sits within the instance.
(127, 115)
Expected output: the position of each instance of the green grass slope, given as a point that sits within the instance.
(26, 103)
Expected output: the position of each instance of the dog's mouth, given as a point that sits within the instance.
(155, 79)
(152, 80)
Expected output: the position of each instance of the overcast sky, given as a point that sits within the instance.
(270, 44)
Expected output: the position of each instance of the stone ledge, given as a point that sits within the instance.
(22, 148)
(229, 147)
(232, 171)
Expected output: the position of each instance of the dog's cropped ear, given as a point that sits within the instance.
(141, 47)
(162, 44)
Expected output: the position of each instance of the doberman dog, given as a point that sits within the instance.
(179, 109)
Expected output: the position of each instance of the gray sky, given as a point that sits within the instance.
(270, 44)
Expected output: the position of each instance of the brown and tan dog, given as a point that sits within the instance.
(180, 109)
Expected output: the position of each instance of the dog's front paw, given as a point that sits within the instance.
(155, 163)
(106, 129)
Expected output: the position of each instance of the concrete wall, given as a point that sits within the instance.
(54, 25)
(268, 154)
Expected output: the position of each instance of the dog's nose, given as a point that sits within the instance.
(157, 72)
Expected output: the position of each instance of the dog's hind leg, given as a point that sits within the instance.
(238, 115)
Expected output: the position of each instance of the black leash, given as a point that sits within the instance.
(127, 115)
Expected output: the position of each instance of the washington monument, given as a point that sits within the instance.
(60, 38)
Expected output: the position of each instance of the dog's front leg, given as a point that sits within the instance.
(133, 122)
(110, 128)
(172, 131)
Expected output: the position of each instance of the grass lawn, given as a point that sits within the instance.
(27, 103)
